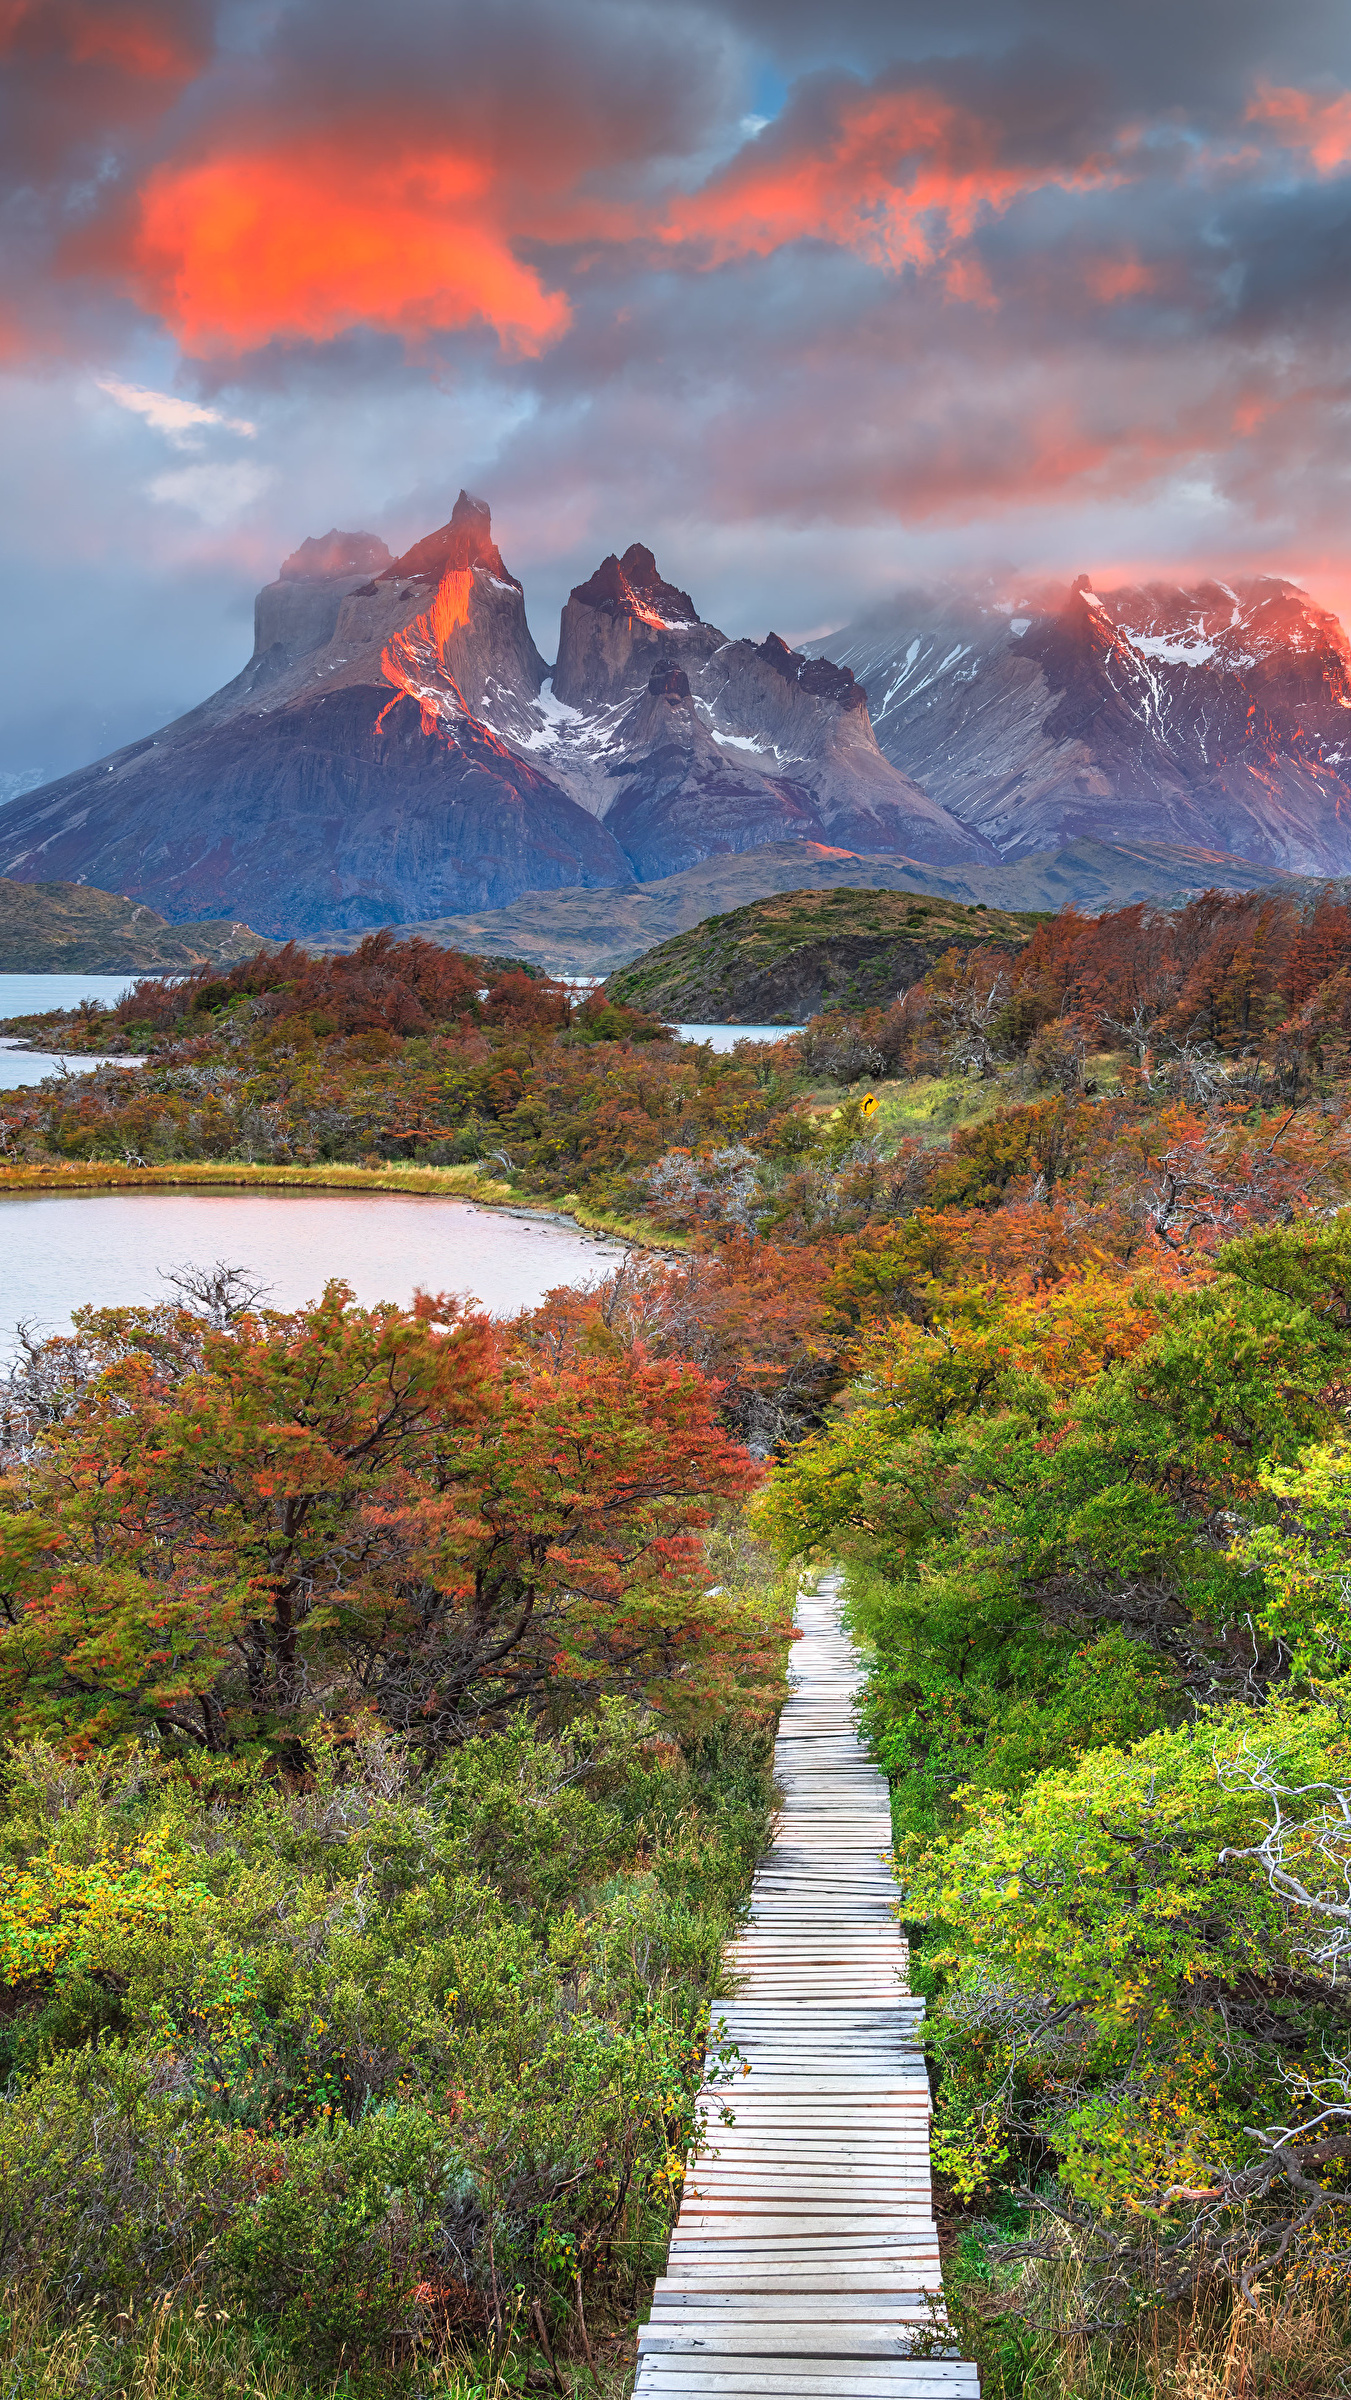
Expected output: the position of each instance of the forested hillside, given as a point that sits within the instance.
(389, 1694)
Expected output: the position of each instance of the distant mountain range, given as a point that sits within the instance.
(575, 932)
(397, 750)
(1210, 715)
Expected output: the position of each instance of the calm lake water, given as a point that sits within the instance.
(20, 1068)
(726, 1037)
(57, 1250)
(31, 995)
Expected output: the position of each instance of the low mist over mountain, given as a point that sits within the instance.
(397, 749)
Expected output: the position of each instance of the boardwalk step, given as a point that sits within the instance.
(805, 2258)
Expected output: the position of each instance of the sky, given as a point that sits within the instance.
(815, 301)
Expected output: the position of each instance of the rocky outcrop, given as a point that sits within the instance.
(679, 798)
(619, 625)
(299, 612)
(466, 540)
(1212, 715)
(468, 648)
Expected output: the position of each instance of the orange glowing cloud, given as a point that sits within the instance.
(1319, 123)
(899, 176)
(304, 243)
(1109, 279)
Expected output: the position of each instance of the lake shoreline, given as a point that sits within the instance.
(445, 1183)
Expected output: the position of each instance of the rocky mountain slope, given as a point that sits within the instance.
(69, 928)
(690, 745)
(593, 932)
(397, 749)
(347, 776)
(1214, 715)
(783, 959)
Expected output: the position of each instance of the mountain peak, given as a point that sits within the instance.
(466, 541)
(819, 677)
(632, 586)
(327, 554)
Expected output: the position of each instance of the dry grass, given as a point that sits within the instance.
(1021, 2322)
(110, 1175)
(171, 2353)
(1299, 2347)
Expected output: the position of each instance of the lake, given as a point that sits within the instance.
(726, 1037)
(33, 995)
(19, 1069)
(58, 1249)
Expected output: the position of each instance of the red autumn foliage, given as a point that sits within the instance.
(250, 1521)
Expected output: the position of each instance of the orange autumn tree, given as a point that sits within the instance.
(221, 1532)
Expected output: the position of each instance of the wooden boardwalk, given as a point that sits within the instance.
(805, 2258)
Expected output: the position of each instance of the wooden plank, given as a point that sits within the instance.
(752, 2379)
(805, 2257)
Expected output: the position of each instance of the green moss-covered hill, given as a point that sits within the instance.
(785, 958)
(71, 928)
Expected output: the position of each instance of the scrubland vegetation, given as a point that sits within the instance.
(389, 1697)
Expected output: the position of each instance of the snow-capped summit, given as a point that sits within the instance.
(1212, 713)
(1233, 626)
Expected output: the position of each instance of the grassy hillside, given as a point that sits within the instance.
(70, 928)
(783, 959)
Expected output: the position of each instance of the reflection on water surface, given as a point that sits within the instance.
(57, 1250)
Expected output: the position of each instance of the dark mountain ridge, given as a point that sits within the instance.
(397, 749)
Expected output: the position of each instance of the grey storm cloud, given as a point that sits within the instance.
(816, 302)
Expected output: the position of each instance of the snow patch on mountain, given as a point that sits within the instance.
(1193, 651)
